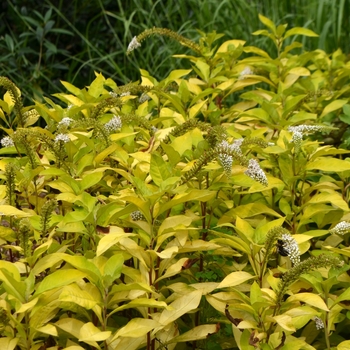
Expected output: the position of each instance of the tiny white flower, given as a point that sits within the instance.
(245, 71)
(134, 44)
(127, 93)
(114, 124)
(255, 172)
(65, 121)
(7, 142)
(62, 138)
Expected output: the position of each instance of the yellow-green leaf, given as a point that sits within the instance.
(300, 31)
(90, 333)
(137, 327)
(7, 343)
(174, 221)
(182, 143)
(235, 278)
(48, 329)
(109, 241)
(180, 306)
(106, 152)
(285, 322)
(90, 180)
(333, 106)
(70, 325)
(96, 87)
(311, 299)
(59, 278)
(197, 333)
(267, 22)
(333, 165)
(12, 211)
(300, 71)
(226, 44)
(71, 88)
(74, 294)
(345, 345)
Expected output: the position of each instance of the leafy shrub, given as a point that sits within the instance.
(69, 40)
(201, 211)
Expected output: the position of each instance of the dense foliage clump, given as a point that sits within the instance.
(207, 210)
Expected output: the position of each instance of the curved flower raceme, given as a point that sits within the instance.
(7, 142)
(342, 228)
(134, 44)
(114, 124)
(290, 245)
(256, 173)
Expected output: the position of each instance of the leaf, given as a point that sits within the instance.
(106, 152)
(343, 296)
(158, 169)
(27, 306)
(48, 329)
(198, 195)
(12, 211)
(246, 211)
(112, 269)
(90, 180)
(175, 100)
(300, 31)
(299, 71)
(197, 333)
(12, 286)
(182, 143)
(180, 306)
(334, 105)
(345, 345)
(235, 278)
(71, 88)
(257, 113)
(285, 322)
(174, 221)
(333, 165)
(59, 278)
(225, 46)
(140, 302)
(90, 333)
(137, 327)
(173, 270)
(96, 87)
(109, 241)
(332, 197)
(311, 299)
(267, 22)
(7, 343)
(195, 109)
(70, 325)
(72, 293)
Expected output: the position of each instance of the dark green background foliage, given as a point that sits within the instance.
(68, 40)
